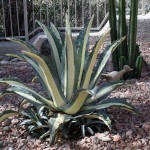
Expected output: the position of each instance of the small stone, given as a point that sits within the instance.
(15, 121)
(20, 145)
(146, 126)
(127, 148)
(37, 142)
(24, 141)
(10, 148)
(123, 136)
(116, 138)
(129, 134)
(144, 141)
(7, 122)
(82, 141)
(101, 135)
(15, 60)
(1, 144)
(88, 140)
(7, 128)
(141, 131)
(96, 140)
(4, 62)
(146, 148)
(106, 139)
(138, 137)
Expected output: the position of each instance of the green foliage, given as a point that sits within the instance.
(70, 77)
(128, 51)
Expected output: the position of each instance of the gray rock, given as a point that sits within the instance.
(4, 62)
(7, 128)
(106, 139)
(144, 141)
(129, 134)
(7, 122)
(15, 60)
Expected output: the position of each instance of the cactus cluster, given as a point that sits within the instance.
(128, 52)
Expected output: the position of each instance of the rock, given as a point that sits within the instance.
(7, 122)
(88, 140)
(146, 148)
(106, 139)
(4, 62)
(15, 60)
(146, 126)
(141, 131)
(123, 136)
(82, 141)
(15, 121)
(10, 148)
(129, 134)
(7, 128)
(24, 141)
(37, 142)
(96, 140)
(128, 148)
(21, 144)
(144, 141)
(116, 138)
(138, 137)
(1, 144)
(101, 135)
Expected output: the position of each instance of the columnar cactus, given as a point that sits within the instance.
(113, 25)
(128, 51)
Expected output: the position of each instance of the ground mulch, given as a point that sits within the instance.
(129, 130)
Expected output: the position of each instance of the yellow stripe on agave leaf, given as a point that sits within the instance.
(34, 65)
(30, 98)
(13, 55)
(8, 113)
(92, 61)
(104, 90)
(38, 71)
(17, 86)
(71, 67)
(119, 102)
(35, 101)
(83, 51)
(76, 103)
(53, 46)
(54, 88)
(5, 94)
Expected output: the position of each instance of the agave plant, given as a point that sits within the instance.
(70, 76)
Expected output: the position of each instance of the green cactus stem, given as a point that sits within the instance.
(132, 33)
(138, 66)
(122, 62)
(122, 28)
(113, 26)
